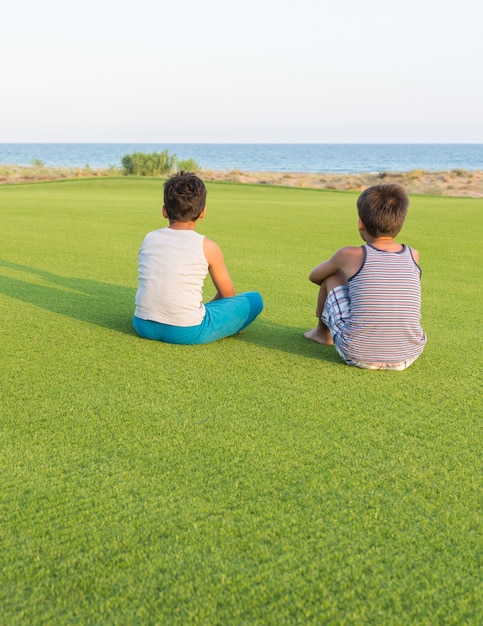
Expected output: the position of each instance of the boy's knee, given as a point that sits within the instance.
(335, 280)
(256, 302)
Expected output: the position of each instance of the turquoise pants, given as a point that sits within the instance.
(223, 318)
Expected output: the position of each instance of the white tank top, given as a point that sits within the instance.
(172, 269)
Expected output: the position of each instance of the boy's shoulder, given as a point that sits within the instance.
(349, 259)
(155, 233)
(350, 252)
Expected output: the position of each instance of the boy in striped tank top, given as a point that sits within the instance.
(369, 303)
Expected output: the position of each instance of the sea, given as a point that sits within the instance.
(254, 157)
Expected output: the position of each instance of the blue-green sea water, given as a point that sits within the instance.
(327, 158)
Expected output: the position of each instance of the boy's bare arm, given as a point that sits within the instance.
(348, 260)
(217, 268)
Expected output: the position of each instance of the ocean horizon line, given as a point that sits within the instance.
(242, 143)
(272, 157)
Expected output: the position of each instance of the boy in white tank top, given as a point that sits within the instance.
(370, 298)
(173, 263)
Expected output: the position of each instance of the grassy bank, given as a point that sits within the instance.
(257, 480)
(10, 174)
(456, 182)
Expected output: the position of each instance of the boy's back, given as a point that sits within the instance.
(172, 269)
(385, 295)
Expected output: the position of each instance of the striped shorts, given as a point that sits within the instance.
(335, 315)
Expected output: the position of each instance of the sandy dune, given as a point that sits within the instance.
(451, 183)
(456, 182)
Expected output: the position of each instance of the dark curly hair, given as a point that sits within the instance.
(184, 197)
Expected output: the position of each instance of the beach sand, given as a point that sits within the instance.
(451, 183)
(455, 182)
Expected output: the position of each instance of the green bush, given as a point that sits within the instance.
(152, 164)
(188, 165)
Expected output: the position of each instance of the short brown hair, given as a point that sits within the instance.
(383, 209)
(184, 197)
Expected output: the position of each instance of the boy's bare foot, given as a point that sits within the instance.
(320, 335)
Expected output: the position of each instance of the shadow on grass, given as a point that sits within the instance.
(288, 339)
(103, 304)
(112, 307)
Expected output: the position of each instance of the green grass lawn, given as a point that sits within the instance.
(257, 480)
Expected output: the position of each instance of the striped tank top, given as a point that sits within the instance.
(385, 305)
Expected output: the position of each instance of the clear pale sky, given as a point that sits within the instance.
(307, 71)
